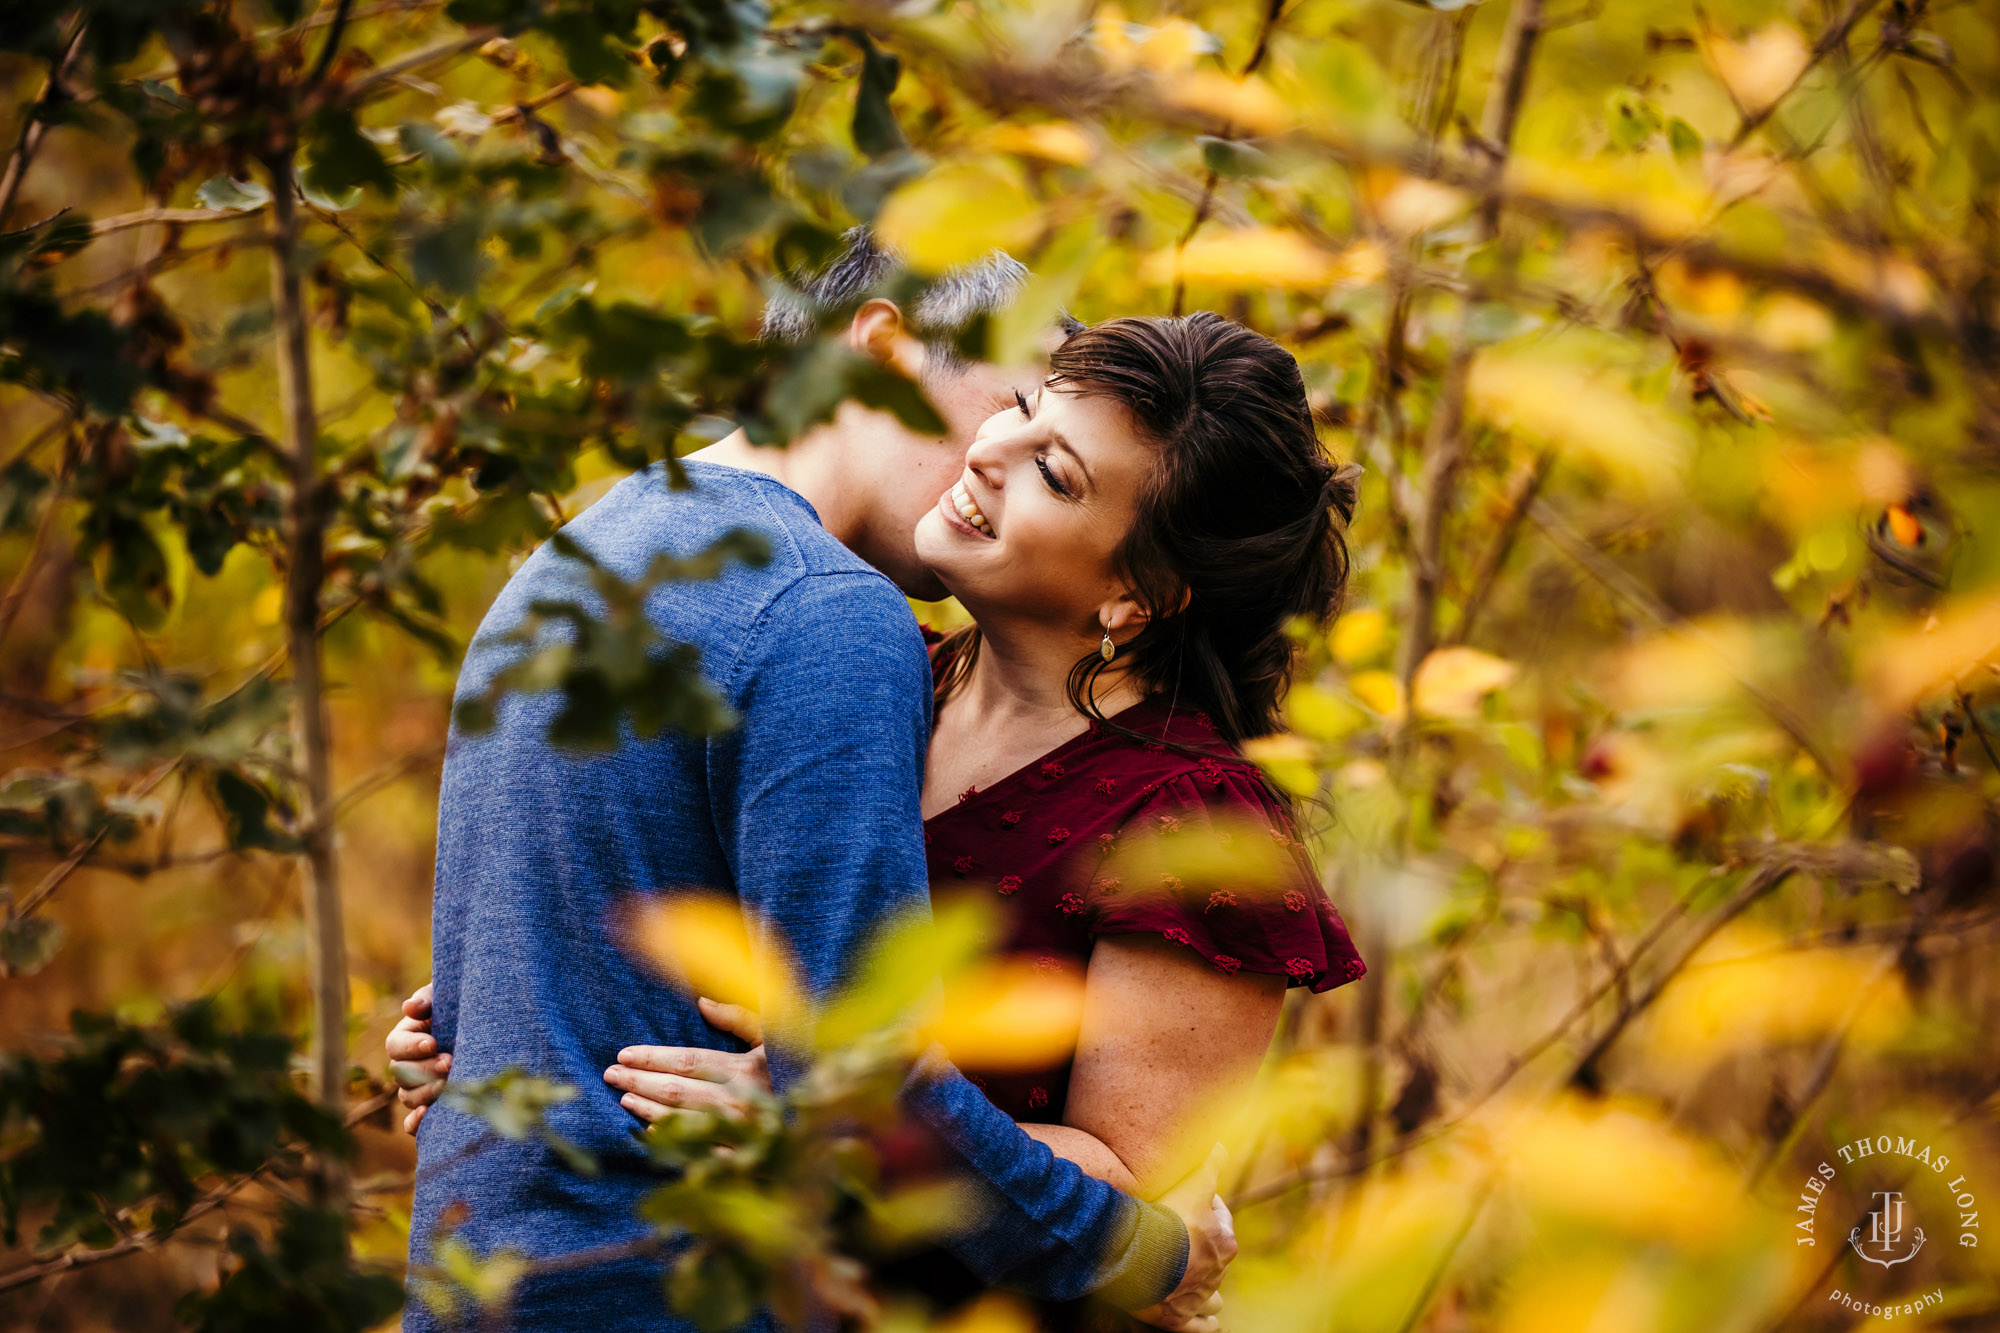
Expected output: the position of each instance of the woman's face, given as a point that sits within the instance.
(1050, 489)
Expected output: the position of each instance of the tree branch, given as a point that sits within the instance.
(305, 572)
(34, 127)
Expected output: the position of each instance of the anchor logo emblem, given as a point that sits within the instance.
(1885, 1233)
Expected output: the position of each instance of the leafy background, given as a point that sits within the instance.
(1658, 735)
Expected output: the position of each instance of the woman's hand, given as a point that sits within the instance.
(1195, 1306)
(658, 1080)
(415, 1062)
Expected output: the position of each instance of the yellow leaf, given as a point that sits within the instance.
(268, 605)
(1589, 416)
(1381, 691)
(1746, 991)
(958, 214)
(1247, 104)
(1415, 205)
(1918, 660)
(1009, 1013)
(1324, 717)
(1246, 257)
(1794, 324)
(701, 942)
(1361, 773)
(992, 1313)
(1114, 44)
(1288, 760)
(1450, 682)
(1577, 1159)
(1173, 45)
(1050, 140)
(1758, 69)
(1358, 633)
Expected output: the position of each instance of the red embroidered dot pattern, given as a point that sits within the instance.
(967, 794)
(1038, 1097)
(1064, 889)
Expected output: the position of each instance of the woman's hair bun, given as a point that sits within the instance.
(1343, 490)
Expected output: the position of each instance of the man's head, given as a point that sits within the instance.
(888, 476)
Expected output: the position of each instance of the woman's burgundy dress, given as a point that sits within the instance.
(1055, 843)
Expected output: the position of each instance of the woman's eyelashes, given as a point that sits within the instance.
(1021, 401)
(1049, 476)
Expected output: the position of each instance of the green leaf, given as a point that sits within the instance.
(223, 192)
(447, 256)
(1684, 139)
(341, 157)
(876, 132)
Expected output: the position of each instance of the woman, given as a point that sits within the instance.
(1132, 542)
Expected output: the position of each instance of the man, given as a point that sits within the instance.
(808, 810)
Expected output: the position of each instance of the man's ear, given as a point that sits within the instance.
(880, 333)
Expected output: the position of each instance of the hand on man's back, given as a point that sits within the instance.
(1195, 1305)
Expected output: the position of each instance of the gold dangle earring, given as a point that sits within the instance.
(1107, 650)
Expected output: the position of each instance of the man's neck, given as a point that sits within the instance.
(805, 466)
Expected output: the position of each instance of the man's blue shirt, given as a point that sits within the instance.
(807, 810)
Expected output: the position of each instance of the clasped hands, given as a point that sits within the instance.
(656, 1081)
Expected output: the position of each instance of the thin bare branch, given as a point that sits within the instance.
(33, 125)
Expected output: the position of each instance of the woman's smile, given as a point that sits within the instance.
(961, 511)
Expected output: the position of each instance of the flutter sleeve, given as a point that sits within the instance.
(1211, 861)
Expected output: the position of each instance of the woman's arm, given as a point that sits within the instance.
(1168, 1044)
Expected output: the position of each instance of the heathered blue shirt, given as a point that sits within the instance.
(808, 811)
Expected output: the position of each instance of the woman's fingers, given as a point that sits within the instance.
(412, 1120)
(419, 1003)
(735, 1019)
(411, 1075)
(410, 1040)
(691, 1094)
(646, 1109)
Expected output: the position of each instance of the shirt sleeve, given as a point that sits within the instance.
(1212, 862)
(816, 804)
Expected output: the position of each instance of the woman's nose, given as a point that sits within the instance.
(987, 458)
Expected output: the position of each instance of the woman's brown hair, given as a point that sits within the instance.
(1241, 525)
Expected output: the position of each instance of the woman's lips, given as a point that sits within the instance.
(962, 512)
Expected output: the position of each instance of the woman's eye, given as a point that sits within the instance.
(1049, 476)
(1021, 402)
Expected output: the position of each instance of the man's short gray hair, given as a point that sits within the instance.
(947, 306)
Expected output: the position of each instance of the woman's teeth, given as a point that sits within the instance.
(961, 500)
